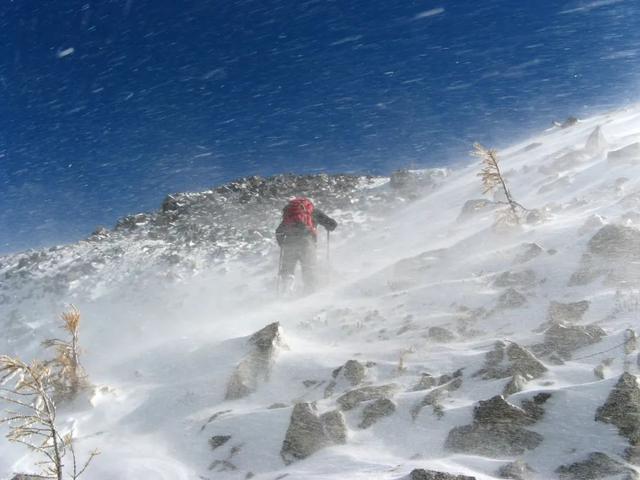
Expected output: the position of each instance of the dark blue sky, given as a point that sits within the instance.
(109, 105)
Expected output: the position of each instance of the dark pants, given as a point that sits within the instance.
(300, 249)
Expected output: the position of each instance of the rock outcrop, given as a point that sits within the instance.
(376, 410)
(567, 312)
(508, 359)
(597, 466)
(309, 432)
(422, 474)
(256, 365)
(517, 470)
(351, 374)
(497, 431)
(622, 408)
(563, 340)
(355, 397)
(613, 252)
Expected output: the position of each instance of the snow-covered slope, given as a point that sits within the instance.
(386, 369)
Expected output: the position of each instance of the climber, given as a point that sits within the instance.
(297, 237)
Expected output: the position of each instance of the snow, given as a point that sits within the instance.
(161, 354)
(429, 13)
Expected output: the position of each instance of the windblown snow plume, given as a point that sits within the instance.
(443, 344)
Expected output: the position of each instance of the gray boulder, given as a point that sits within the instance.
(614, 251)
(517, 470)
(616, 242)
(622, 408)
(509, 359)
(440, 334)
(515, 385)
(497, 410)
(565, 339)
(426, 382)
(355, 397)
(434, 397)
(567, 312)
(308, 432)
(351, 374)
(257, 364)
(376, 410)
(597, 466)
(25, 476)
(497, 431)
(334, 426)
(511, 298)
(492, 440)
(422, 474)
(218, 440)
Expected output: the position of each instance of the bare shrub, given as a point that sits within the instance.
(68, 377)
(492, 179)
(32, 418)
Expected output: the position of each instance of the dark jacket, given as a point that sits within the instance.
(292, 233)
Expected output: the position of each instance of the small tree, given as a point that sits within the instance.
(492, 179)
(68, 377)
(32, 422)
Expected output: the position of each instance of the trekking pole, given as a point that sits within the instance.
(279, 273)
(329, 256)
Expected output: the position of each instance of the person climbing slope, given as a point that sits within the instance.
(297, 238)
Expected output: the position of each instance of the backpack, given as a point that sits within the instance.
(299, 211)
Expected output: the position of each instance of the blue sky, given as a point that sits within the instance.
(108, 106)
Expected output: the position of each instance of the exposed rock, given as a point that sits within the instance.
(497, 430)
(614, 251)
(256, 365)
(308, 432)
(351, 374)
(567, 312)
(492, 440)
(422, 474)
(565, 339)
(598, 371)
(413, 181)
(534, 408)
(440, 334)
(355, 397)
(597, 142)
(529, 251)
(426, 382)
(276, 406)
(630, 342)
(511, 298)
(25, 476)
(517, 470)
(622, 408)
(569, 122)
(632, 454)
(509, 359)
(515, 385)
(615, 242)
(497, 410)
(374, 411)
(435, 396)
(596, 466)
(525, 278)
(334, 426)
(218, 440)
(475, 206)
